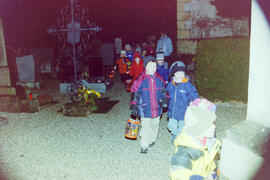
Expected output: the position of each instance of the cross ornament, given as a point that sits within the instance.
(75, 15)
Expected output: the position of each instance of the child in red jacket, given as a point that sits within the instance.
(136, 67)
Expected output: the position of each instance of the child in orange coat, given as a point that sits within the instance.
(122, 66)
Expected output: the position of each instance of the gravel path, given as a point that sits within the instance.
(47, 145)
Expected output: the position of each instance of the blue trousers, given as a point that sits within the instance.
(175, 126)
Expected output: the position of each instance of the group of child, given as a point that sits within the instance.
(155, 86)
(151, 92)
(130, 64)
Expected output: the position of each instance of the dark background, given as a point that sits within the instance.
(26, 21)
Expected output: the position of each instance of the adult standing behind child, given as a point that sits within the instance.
(181, 93)
(148, 95)
(162, 67)
(165, 46)
(136, 67)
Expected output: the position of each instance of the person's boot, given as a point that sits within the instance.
(152, 144)
(144, 150)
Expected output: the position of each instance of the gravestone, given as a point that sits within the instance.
(26, 68)
(108, 57)
(107, 54)
(244, 145)
(117, 45)
(43, 60)
(99, 87)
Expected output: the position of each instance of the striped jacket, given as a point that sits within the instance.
(149, 93)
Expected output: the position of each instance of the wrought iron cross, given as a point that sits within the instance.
(72, 18)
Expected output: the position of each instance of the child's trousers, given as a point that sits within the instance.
(149, 131)
(175, 126)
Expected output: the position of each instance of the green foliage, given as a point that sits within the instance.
(222, 68)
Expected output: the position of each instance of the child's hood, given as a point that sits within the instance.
(135, 64)
(185, 80)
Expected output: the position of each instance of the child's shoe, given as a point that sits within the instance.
(144, 150)
(152, 144)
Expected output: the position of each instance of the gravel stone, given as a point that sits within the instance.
(48, 145)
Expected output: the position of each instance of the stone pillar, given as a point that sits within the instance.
(183, 34)
(243, 146)
(5, 82)
(7, 92)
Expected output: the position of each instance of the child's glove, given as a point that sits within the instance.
(133, 106)
(165, 98)
(160, 102)
(163, 103)
(133, 110)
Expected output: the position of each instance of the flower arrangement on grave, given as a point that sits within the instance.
(82, 95)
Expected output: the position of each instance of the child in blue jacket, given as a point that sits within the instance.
(148, 97)
(162, 67)
(181, 93)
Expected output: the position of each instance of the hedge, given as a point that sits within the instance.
(222, 68)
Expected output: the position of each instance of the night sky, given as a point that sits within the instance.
(26, 21)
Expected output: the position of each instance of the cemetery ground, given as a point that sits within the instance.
(48, 145)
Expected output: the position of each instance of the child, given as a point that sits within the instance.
(162, 67)
(144, 52)
(136, 67)
(122, 66)
(147, 98)
(196, 146)
(129, 53)
(181, 93)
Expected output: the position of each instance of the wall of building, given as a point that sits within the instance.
(198, 19)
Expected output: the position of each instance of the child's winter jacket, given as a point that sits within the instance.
(146, 94)
(180, 97)
(163, 71)
(136, 69)
(122, 65)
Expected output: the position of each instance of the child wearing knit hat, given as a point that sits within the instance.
(122, 66)
(162, 67)
(181, 93)
(148, 97)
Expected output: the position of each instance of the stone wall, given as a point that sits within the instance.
(198, 19)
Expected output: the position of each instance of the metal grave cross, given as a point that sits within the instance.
(75, 16)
